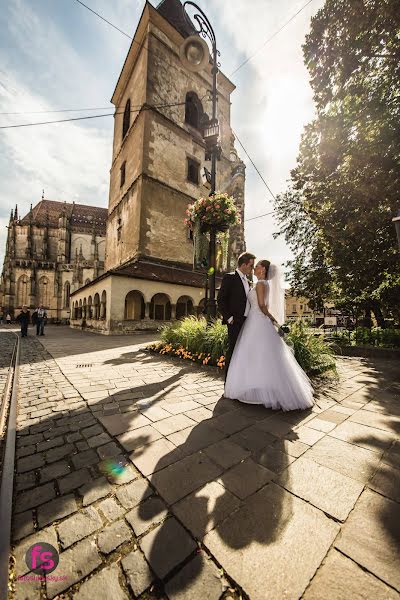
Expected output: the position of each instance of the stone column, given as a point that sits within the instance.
(173, 312)
(147, 311)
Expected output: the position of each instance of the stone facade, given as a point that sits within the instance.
(51, 252)
(158, 157)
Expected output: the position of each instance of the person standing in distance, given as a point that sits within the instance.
(232, 300)
(23, 319)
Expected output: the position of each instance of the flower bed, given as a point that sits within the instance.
(195, 340)
(183, 353)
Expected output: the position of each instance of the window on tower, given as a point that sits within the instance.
(123, 167)
(193, 110)
(193, 168)
(127, 118)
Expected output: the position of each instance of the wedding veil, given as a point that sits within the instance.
(276, 298)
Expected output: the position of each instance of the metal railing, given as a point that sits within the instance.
(8, 414)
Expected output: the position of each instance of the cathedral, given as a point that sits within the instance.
(153, 268)
(51, 252)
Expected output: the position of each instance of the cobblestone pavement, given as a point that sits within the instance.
(151, 485)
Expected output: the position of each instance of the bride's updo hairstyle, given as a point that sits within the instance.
(265, 263)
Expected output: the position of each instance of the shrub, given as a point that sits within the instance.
(313, 353)
(193, 339)
(362, 336)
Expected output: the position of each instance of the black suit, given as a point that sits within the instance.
(232, 301)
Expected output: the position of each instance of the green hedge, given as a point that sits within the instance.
(361, 336)
(193, 339)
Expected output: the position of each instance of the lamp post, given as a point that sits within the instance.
(194, 55)
(396, 221)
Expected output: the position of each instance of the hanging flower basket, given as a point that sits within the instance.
(217, 211)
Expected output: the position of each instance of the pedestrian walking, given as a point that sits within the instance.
(23, 319)
(40, 318)
(8, 319)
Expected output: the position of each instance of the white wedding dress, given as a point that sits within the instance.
(263, 369)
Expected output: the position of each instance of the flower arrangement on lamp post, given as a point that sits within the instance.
(212, 214)
(217, 212)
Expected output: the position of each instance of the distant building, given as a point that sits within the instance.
(297, 307)
(51, 252)
(152, 260)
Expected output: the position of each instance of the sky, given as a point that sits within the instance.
(58, 55)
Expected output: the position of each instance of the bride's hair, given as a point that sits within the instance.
(265, 263)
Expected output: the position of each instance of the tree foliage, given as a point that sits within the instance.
(337, 213)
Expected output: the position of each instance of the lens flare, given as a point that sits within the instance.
(114, 469)
(211, 270)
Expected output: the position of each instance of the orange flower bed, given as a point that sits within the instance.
(182, 353)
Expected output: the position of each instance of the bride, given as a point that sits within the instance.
(263, 370)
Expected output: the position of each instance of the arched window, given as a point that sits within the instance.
(96, 303)
(80, 310)
(201, 308)
(127, 118)
(134, 306)
(184, 307)
(44, 291)
(22, 290)
(160, 308)
(67, 292)
(90, 308)
(103, 305)
(193, 110)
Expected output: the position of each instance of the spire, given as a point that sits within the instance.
(16, 212)
(12, 215)
(80, 252)
(42, 194)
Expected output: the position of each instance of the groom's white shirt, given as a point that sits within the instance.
(246, 289)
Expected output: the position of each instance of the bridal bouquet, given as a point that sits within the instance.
(283, 330)
(218, 210)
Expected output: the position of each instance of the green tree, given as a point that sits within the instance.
(344, 191)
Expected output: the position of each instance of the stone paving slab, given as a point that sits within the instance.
(166, 546)
(328, 490)
(202, 510)
(129, 461)
(328, 582)
(371, 537)
(273, 545)
(349, 460)
(182, 478)
(103, 586)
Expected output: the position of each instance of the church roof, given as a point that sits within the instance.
(82, 217)
(157, 271)
(173, 12)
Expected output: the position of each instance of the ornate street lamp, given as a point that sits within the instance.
(195, 56)
(396, 221)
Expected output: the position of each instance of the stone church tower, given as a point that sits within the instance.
(158, 158)
(158, 150)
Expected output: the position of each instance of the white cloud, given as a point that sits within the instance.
(61, 68)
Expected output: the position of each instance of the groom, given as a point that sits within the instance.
(232, 300)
